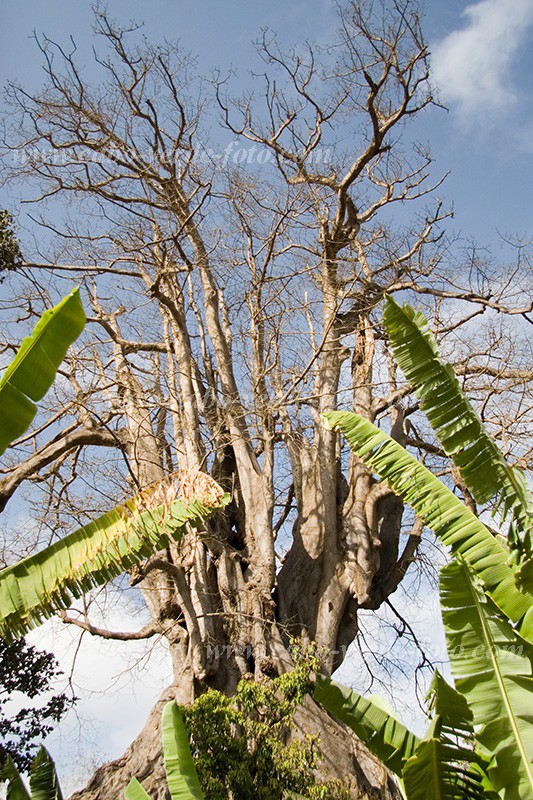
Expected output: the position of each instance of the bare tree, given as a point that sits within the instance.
(234, 294)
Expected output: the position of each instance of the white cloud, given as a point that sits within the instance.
(117, 684)
(473, 67)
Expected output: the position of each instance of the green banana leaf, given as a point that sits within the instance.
(15, 785)
(182, 777)
(433, 771)
(492, 668)
(456, 424)
(40, 585)
(445, 701)
(44, 784)
(444, 765)
(134, 791)
(382, 733)
(441, 511)
(32, 371)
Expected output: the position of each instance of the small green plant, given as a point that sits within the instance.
(241, 744)
(238, 747)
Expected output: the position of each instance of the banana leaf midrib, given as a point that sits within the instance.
(491, 649)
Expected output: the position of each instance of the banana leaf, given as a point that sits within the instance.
(134, 791)
(44, 784)
(382, 733)
(31, 373)
(492, 668)
(182, 777)
(15, 785)
(441, 511)
(456, 424)
(434, 772)
(450, 705)
(445, 765)
(38, 586)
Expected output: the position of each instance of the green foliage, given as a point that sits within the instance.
(480, 741)
(238, 748)
(10, 775)
(134, 791)
(182, 778)
(221, 747)
(383, 734)
(441, 511)
(44, 784)
(239, 744)
(38, 586)
(28, 672)
(10, 255)
(445, 763)
(457, 426)
(492, 668)
(31, 373)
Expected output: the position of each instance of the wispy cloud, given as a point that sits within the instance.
(474, 66)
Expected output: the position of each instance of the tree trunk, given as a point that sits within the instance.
(342, 757)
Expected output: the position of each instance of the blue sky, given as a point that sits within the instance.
(483, 60)
(483, 63)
